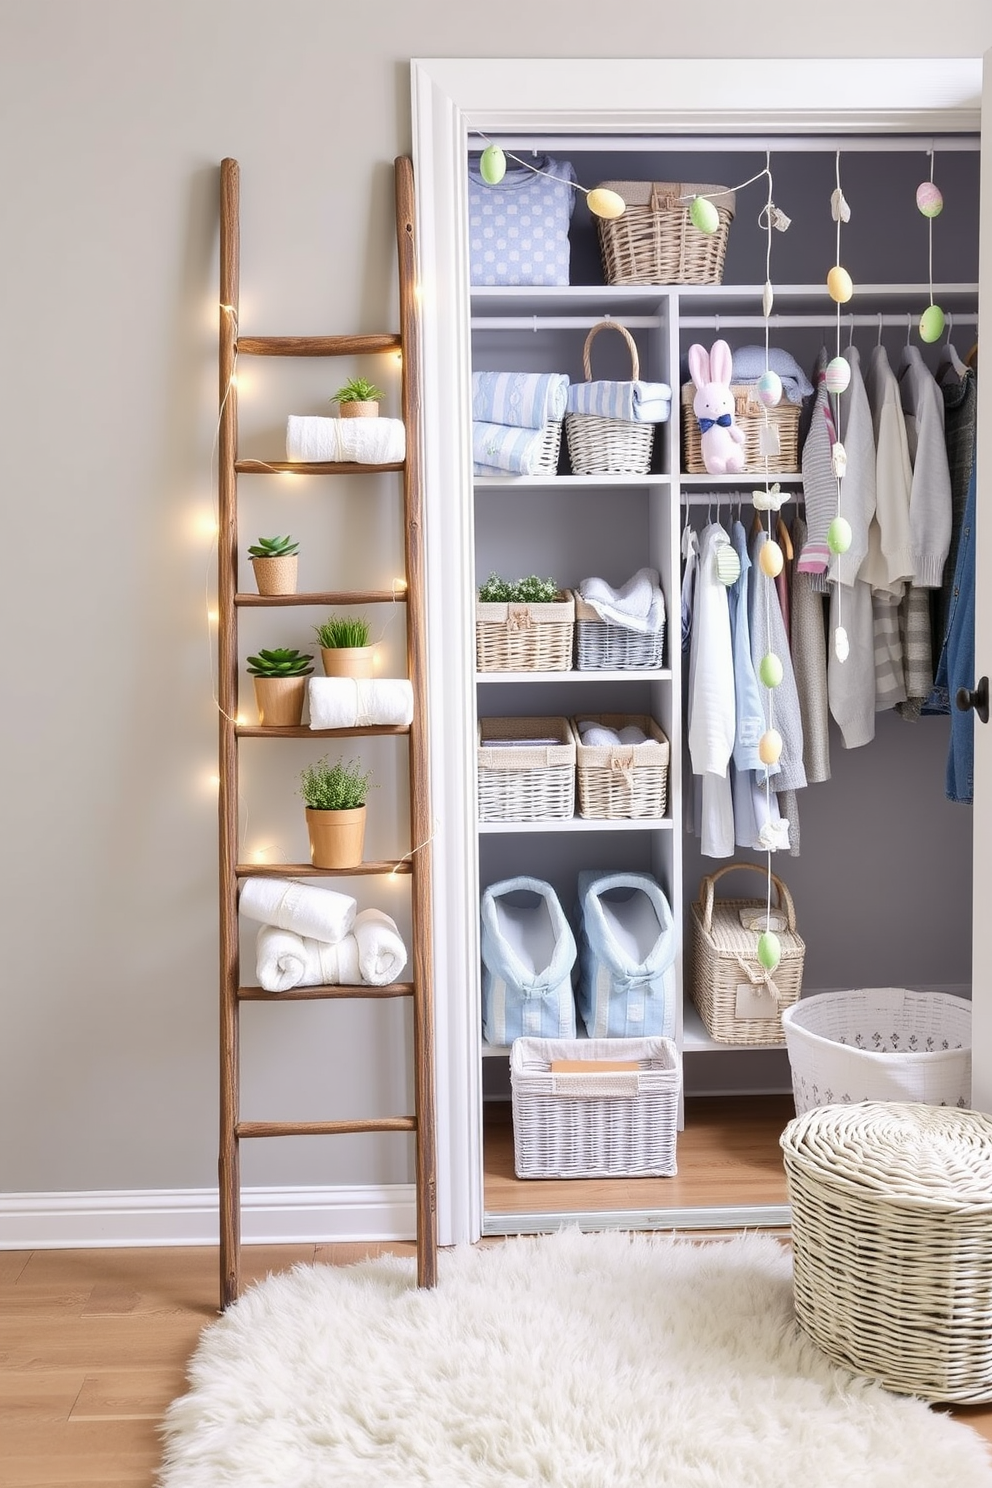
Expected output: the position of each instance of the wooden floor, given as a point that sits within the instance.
(94, 1343)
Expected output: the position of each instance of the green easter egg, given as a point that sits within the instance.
(704, 215)
(770, 670)
(769, 950)
(839, 535)
(932, 323)
(492, 165)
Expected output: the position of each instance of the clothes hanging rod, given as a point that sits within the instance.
(735, 495)
(794, 322)
(740, 144)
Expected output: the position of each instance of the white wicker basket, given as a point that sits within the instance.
(608, 446)
(525, 637)
(598, 1124)
(602, 646)
(879, 1044)
(521, 780)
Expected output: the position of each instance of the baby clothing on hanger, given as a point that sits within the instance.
(712, 699)
(809, 664)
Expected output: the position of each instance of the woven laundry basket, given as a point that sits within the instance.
(655, 241)
(879, 1044)
(601, 645)
(521, 779)
(750, 416)
(525, 637)
(738, 1001)
(622, 781)
(608, 446)
(892, 1243)
(597, 1123)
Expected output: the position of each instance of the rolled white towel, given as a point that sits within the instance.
(359, 702)
(381, 952)
(364, 441)
(632, 734)
(637, 605)
(321, 914)
(284, 960)
(598, 736)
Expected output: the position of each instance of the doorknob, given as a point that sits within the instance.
(979, 699)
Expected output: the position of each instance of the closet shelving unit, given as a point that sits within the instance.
(417, 862)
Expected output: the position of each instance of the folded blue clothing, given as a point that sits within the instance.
(635, 402)
(750, 362)
(524, 400)
(502, 448)
(627, 944)
(528, 951)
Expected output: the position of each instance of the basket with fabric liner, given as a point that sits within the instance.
(738, 1000)
(526, 769)
(597, 1123)
(600, 645)
(749, 415)
(622, 781)
(655, 241)
(892, 1243)
(608, 446)
(879, 1044)
(511, 637)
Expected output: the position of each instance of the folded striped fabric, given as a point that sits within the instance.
(523, 400)
(499, 447)
(634, 402)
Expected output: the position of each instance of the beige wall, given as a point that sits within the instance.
(115, 116)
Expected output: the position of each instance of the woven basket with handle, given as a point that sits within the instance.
(738, 1000)
(750, 416)
(608, 446)
(655, 241)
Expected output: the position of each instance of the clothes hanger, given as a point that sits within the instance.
(949, 359)
(784, 538)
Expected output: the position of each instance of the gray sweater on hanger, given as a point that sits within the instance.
(930, 493)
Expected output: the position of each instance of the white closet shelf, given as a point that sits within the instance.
(524, 307)
(624, 674)
(580, 824)
(580, 482)
(695, 1039)
(744, 478)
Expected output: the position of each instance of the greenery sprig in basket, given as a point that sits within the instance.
(524, 625)
(530, 590)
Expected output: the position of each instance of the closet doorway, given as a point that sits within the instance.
(452, 98)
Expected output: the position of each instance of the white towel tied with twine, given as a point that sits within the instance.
(360, 702)
(760, 979)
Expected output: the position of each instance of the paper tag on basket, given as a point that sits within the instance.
(753, 917)
(754, 1002)
(768, 440)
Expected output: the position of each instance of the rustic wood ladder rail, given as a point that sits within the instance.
(418, 862)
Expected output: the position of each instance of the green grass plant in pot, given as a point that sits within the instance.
(280, 679)
(335, 797)
(345, 646)
(358, 398)
(274, 560)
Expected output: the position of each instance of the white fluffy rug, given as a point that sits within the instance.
(573, 1360)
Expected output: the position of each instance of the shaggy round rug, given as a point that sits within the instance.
(572, 1360)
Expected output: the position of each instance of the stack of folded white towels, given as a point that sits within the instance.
(510, 415)
(313, 937)
(595, 734)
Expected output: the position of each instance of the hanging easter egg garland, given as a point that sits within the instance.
(492, 169)
(837, 376)
(931, 204)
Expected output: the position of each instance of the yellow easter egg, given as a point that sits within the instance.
(603, 203)
(932, 323)
(840, 286)
(492, 165)
(770, 747)
(771, 559)
(704, 215)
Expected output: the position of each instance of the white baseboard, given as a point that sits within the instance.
(189, 1216)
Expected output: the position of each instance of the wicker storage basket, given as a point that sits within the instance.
(608, 446)
(602, 646)
(655, 242)
(879, 1044)
(738, 1001)
(600, 1124)
(550, 448)
(892, 1243)
(519, 781)
(622, 781)
(525, 637)
(750, 416)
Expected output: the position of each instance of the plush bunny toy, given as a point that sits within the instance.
(713, 406)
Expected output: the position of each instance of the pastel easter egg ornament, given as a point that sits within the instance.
(839, 535)
(769, 389)
(929, 199)
(492, 165)
(770, 747)
(770, 669)
(605, 204)
(840, 286)
(704, 215)
(769, 950)
(771, 560)
(932, 324)
(842, 646)
(837, 374)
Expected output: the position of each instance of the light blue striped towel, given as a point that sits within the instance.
(498, 447)
(634, 402)
(524, 400)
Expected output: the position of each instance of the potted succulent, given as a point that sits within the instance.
(335, 797)
(274, 561)
(345, 646)
(358, 398)
(280, 682)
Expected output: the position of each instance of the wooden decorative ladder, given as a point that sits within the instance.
(417, 862)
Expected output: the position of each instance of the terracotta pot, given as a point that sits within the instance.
(280, 700)
(275, 575)
(337, 838)
(359, 410)
(348, 661)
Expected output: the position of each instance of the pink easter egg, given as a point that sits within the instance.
(769, 389)
(929, 199)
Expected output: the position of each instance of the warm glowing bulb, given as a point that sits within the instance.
(212, 617)
(399, 359)
(214, 781)
(241, 719)
(259, 854)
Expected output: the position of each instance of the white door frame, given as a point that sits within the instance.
(451, 96)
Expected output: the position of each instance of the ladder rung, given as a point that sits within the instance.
(302, 731)
(318, 346)
(325, 1128)
(312, 467)
(328, 597)
(310, 994)
(307, 870)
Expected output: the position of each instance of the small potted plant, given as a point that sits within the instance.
(345, 646)
(280, 683)
(274, 561)
(358, 398)
(335, 797)
(524, 625)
